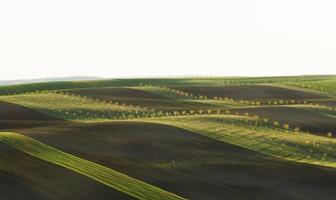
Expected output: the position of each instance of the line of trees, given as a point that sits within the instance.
(189, 95)
(128, 111)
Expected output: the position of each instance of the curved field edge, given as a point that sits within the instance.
(284, 144)
(104, 175)
(76, 108)
(24, 177)
(130, 82)
(73, 107)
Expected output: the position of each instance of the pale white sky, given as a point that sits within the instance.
(44, 38)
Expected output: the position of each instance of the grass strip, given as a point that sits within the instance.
(288, 145)
(104, 175)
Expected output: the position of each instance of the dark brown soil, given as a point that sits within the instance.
(204, 168)
(23, 177)
(115, 93)
(138, 97)
(11, 112)
(13, 116)
(314, 121)
(251, 92)
(326, 102)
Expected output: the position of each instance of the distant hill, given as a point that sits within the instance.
(23, 81)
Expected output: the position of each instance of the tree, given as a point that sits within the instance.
(329, 134)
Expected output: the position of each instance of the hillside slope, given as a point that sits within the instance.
(203, 168)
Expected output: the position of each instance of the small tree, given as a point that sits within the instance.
(329, 134)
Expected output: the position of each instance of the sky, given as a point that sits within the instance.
(132, 38)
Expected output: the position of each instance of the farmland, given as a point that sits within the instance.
(170, 138)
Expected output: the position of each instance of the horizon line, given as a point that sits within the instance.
(157, 76)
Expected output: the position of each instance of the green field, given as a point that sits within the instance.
(170, 138)
(106, 176)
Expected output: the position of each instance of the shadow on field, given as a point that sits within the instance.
(249, 92)
(313, 121)
(23, 177)
(188, 164)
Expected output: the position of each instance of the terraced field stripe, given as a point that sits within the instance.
(291, 146)
(104, 175)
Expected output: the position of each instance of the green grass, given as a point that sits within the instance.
(325, 85)
(219, 104)
(285, 144)
(104, 175)
(140, 148)
(23, 177)
(328, 85)
(79, 108)
(139, 96)
(206, 81)
(311, 118)
(267, 94)
(71, 107)
(189, 97)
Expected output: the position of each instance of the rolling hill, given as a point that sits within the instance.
(176, 138)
